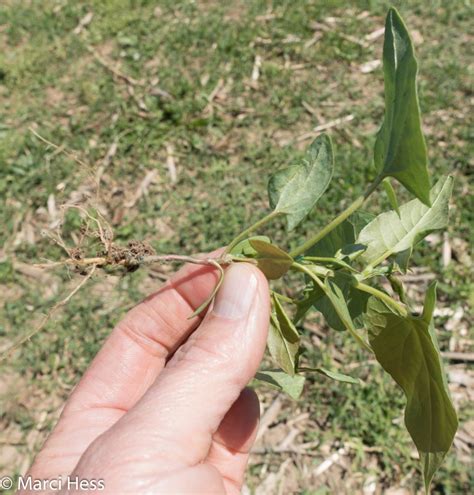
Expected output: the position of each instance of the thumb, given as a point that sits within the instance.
(176, 418)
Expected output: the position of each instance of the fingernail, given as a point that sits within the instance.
(237, 292)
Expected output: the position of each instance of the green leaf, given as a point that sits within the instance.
(273, 261)
(335, 297)
(283, 338)
(311, 293)
(402, 259)
(244, 248)
(292, 385)
(320, 270)
(430, 303)
(335, 375)
(338, 262)
(335, 241)
(400, 149)
(391, 234)
(407, 348)
(295, 190)
(359, 219)
(430, 462)
(398, 288)
(343, 304)
(390, 192)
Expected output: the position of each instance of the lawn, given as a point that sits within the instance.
(168, 117)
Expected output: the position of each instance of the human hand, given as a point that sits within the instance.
(163, 408)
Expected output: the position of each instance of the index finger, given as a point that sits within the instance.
(128, 363)
(140, 344)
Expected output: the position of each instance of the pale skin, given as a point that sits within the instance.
(163, 407)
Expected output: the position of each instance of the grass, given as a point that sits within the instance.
(224, 147)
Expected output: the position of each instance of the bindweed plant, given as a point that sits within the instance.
(344, 264)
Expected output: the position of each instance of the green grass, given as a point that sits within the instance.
(224, 152)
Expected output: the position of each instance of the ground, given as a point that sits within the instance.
(180, 110)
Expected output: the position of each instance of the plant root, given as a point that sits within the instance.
(5, 354)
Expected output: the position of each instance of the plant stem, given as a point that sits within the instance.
(379, 260)
(334, 261)
(208, 301)
(329, 227)
(383, 297)
(373, 186)
(284, 298)
(243, 235)
(348, 326)
(338, 220)
(145, 260)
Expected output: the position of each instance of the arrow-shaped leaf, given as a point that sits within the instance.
(406, 347)
(342, 304)
(283, 338)
(311, 294)
(341, 236)
(295, 190)
(273, 261)
(292, 385)
(400, 149)
(391, 234)
(334, 375)
(244, 248)
(359, 219)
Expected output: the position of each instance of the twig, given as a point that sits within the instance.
(142, 189)
(375, 34)
(84, 22)
(129, 80)
(313, 40)
(344, 36)
(48, 316)
(352, 39)
(325, 465)
(271, 414)
(311, 110)
(292, 451)
(212, 95)
(422, 277)
(256, 68)
(171, 164)
(215, 91)
(458, 356)
(324, 127)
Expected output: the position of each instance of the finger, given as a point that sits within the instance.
(233, 440)
(202, 479)
(126, 366)
(148, 335)
(173, 424)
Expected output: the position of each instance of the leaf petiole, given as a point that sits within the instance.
(335, 261)
(399, 308)
(338, 220)
(208, 301)
(329, 227)
(283, 297)
(260, 223)
(323, 287)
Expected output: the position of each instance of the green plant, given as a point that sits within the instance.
(344, 263)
